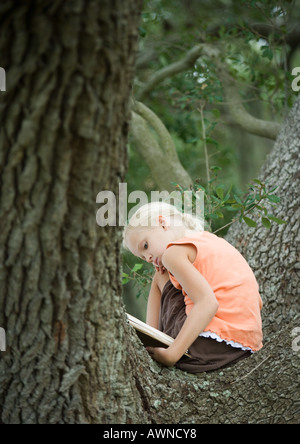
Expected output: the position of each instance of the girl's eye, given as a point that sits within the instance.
(145, 245)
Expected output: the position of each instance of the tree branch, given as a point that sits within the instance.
(236, 109)
(185, 63)
(166, 141)
(238, 112)
(157, 153)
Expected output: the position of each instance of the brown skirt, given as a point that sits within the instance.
(207, 354)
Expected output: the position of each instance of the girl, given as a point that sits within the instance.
(203, 292)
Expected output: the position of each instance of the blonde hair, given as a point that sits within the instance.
(148, 217)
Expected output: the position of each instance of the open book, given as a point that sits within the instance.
(150, 336)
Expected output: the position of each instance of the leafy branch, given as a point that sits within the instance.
(140, 276)
(218, 201)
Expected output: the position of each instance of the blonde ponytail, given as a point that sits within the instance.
(191, 222)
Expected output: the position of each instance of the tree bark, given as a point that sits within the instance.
(274, 254)
(64, 124)
(261, 389)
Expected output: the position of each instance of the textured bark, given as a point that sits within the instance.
(274, 254)
(64, 123)
(261, 389)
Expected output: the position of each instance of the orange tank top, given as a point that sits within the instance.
(233, 282)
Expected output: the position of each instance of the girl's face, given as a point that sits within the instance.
(150, 244)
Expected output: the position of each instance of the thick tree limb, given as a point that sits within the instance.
(260, 389)
(181, 65)
(159, 152)
(240, 115)
(238, 112)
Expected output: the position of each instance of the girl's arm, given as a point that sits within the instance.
(176, 260)
(153, 305)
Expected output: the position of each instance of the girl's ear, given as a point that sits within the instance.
(162, 221)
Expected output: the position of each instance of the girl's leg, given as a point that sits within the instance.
(207, 354)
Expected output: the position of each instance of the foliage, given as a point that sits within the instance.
(221, 202)
(140, 276)
(257, 53)
(255, 43)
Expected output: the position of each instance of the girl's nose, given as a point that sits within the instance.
(150, 258)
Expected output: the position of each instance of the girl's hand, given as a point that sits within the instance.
(160, 270)
(162, 355)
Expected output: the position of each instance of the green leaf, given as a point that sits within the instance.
(142, 32)
(137, 267)
(125, 281)
(249, 222)
(273, 198)
(220, 192)
(266, 223)
(230, 208)
(267, 52)
(211, 140)
(216, 113)
(276, 220)
(219, 214)
(238, 200)
(215, 168)
(226, 198)
(215, 199)
(273, 189)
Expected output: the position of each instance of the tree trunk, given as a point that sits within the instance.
(274, 254)
(64, 124)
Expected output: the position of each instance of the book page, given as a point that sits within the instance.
(150, 336)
